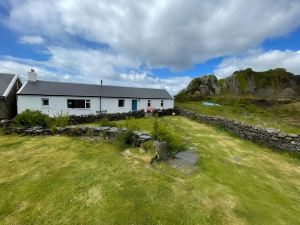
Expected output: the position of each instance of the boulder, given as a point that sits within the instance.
(161, 149)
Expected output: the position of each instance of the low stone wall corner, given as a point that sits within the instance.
(270, 137)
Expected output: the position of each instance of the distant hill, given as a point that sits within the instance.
(271, 84)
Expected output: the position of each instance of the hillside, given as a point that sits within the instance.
(271, 84)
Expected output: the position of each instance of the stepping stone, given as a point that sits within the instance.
(187, 157)
(185, 161)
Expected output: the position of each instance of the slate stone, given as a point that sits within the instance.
(188, 157)
(113, 130)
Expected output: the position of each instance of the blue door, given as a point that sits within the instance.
(134, 105)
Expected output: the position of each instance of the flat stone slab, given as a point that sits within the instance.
(144, 137)
(188, 157)
(185, 161)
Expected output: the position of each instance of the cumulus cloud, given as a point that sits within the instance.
(90, 66)
(32, 40)
(172, 34)
(169, 33)
(261, 61)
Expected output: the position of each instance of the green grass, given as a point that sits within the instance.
(285, 117)
(64, 180)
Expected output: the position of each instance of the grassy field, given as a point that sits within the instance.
(285, 117)
(64, 180)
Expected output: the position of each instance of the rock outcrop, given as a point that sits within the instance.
(271, 84)
(201, 87)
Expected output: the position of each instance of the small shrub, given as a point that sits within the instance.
(161, 133)
(60, 120)
(89, 132)
(126, 139)
(30, 118)
(53, 130)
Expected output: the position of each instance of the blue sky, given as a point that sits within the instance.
(161, 44)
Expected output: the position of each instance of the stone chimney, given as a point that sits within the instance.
(32, 76)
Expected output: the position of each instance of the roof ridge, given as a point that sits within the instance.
(59, 82)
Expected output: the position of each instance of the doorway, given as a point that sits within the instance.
(134, 105)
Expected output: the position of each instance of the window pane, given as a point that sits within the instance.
(162, 103)
(149, 103)
(45, 102)
(121, 103)
(87, 104)
(76, 103)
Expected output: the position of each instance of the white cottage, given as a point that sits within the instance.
(53, 98)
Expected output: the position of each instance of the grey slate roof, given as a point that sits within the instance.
(49, 88)
(5, 79)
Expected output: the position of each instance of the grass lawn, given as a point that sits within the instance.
(64, 180)
(285, 117)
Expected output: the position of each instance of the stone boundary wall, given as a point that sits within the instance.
(104, 132)
(113, 116)
(75, 120)
(270, 137)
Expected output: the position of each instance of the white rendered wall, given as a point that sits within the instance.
(58, 105)
(111, 104)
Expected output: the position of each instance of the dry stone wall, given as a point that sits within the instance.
(270, 137)
(104, 132)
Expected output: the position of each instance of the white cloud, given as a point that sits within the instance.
(173, 85)
(168, 33)
(261, 61)
(32, 40)
(171, 33)
(90, 66)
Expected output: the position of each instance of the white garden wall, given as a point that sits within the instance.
(58, 105)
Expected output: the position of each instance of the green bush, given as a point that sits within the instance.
(30, 118)
(53, 130)
(90, 132)
(60, 120)
(161, 133)
(126, 139)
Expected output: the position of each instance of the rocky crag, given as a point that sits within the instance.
(271, 84)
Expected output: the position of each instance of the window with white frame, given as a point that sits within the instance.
(45, 101)
(79, 103)
(121, 103)
(88, 104)
(162, 103)
(149, 103)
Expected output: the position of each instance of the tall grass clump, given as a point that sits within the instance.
(106, 123)
(162, 133)
(60, 120)
(126, 139)
(30, 118)
(131, 124)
